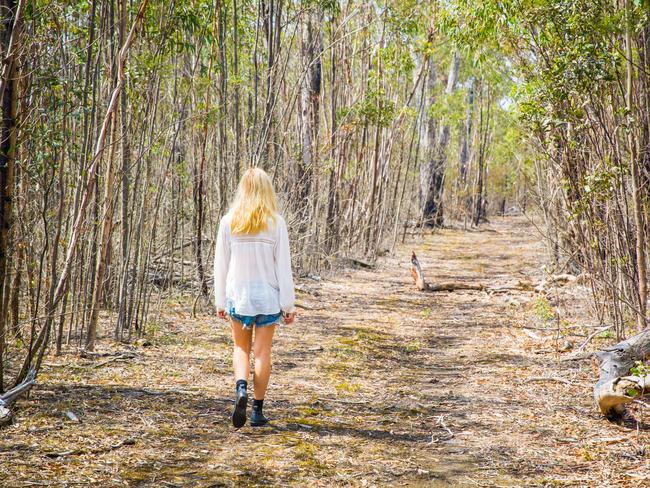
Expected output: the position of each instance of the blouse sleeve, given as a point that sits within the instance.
(221, 262)
(283, 269)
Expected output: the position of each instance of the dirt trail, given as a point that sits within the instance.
(377, 385)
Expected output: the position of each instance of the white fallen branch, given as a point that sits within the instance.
(616, 387)
(9, 397)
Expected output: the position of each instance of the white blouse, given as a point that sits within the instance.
(252, 273)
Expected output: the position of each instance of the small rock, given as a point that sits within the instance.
(72, 417)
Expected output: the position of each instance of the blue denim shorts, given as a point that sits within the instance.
(261, 320)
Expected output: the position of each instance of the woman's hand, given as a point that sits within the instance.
(221, 313)
(289, 317)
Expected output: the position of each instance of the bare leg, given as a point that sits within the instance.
(262, 353)
(242, 349)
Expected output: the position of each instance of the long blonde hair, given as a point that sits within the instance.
(255, 202)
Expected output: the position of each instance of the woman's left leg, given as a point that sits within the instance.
(262, 353)
(241, 355)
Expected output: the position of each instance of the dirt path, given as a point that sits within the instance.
(378, 385)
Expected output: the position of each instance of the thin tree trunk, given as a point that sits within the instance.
(12, 14)
(434, 183)
(639, 220)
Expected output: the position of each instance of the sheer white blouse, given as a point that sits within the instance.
(252, 273)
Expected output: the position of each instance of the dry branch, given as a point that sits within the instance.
(521, 285)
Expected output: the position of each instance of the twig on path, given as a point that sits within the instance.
(591, 336)
(77, 452)
(578, 356)
(303, 305)
(121, 357)
(548, 378)
(91, 354)
(167, 391)
(441, 422)
(643, 404)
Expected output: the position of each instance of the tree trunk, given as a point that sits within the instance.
(332, 220)
(311, 47)
(12, 14)
(432, 179)
(467, 134)
(639, 219)
(235, 67)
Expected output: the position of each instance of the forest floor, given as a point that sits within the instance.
(377, 384)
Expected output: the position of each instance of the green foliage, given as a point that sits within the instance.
(404, 19)
(543, 309)
(374, 109)
(606, 334)
(640, 369)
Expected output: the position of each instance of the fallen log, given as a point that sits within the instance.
(616, 387)
(9, 397)
(453, 286)
(521, 285)
(420, 282)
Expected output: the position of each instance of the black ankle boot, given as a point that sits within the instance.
(257, 417)
(241, 402)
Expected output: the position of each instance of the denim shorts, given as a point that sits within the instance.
(261, 320)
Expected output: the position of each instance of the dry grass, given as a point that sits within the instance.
(409, 389)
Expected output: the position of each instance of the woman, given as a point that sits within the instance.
(253, 285)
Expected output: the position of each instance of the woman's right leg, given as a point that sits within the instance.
(242, 339)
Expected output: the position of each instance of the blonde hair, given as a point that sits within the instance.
(255, 202)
